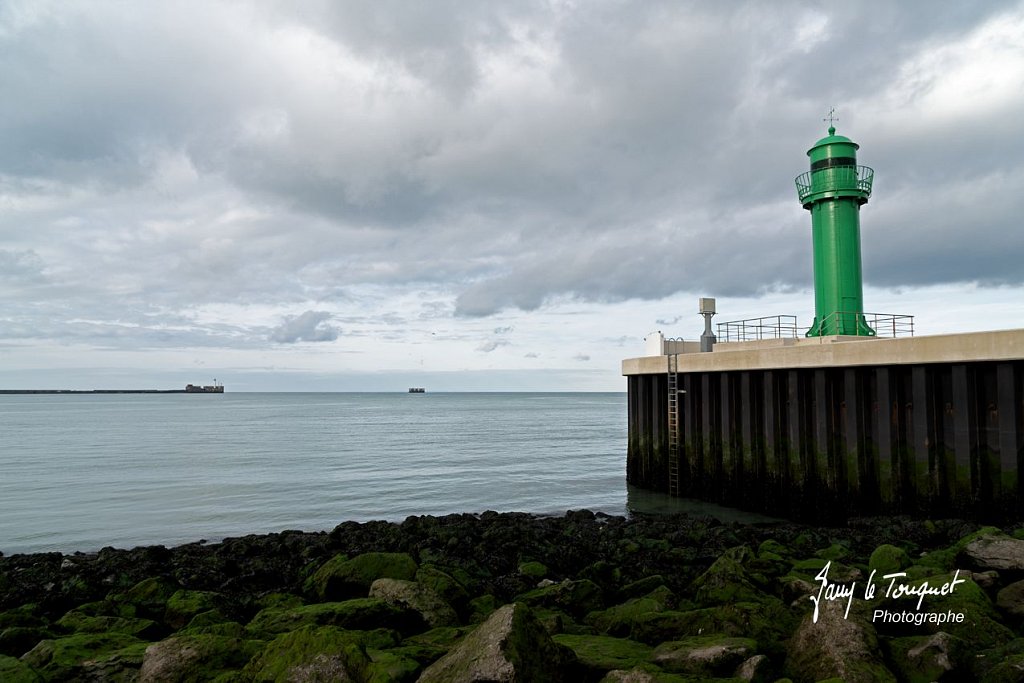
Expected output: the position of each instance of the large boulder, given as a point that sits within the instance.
(410, 594)
(994, 551)
(65, 658)
(619, 620)
(357, 614)
(340, 577)
(310, 653)
(768, 622)
(17, 640)
(444, 584)
(712, 655)
(510, 646)
(922, 659)
(14, 670)
(148, 597)
(577, 598)
(887, 559)
(726, 581)
(836, 646)
(1011, 599)
(185, 604)
(195, 658)
(598, 655)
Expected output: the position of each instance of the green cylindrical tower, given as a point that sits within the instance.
(833, 191)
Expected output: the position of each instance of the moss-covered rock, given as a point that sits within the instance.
(533, 569)
(314, 653)
(17, 640)
(14, 670)
(644, 675)
(640, 587)
(25, 615)
(510, 646)
(108, 608)
(922, 659)
(768, 622)
(1010, 670)
(191, 657)
(836, 551)
(148, 597)
(710, 655)
(276, 599)
(77, 622)
(836, 645)
(447, 586)
(340, 577)
(887, 559)
(1011, 600)
(948, 559)
(980, 628)
(392, 666)
(992, 665)
(62, 659)
(837, 571)
(357, 614)
(772, 548)
(417, 597)
(619, 620)
(726, 581)
(214, 623)
(482, 607)
(577, 598)
(185, 604)
(599, 654)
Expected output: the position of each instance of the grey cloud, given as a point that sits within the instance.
(17, 267)
(492, 345)
(308, 327)
(280, 154)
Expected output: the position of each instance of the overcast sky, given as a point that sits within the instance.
(466, 195)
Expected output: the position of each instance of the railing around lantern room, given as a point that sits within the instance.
(835, 179)
(785, 326)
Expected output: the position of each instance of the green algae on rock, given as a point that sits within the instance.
(340, 577)
(315, 653)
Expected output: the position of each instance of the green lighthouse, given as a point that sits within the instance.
(833, 191)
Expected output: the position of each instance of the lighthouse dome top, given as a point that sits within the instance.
(833, 146)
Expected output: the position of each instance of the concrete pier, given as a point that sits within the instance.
(823, 428)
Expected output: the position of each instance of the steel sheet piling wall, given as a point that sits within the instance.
(824, 443)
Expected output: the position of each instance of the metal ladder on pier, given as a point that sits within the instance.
(673, 424)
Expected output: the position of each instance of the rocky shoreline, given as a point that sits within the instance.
(515, 597)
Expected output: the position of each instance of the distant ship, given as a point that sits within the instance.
(417, 390)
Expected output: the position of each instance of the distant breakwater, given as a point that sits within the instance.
(589, 594)
(98, 391)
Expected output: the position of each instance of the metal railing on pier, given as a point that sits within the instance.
(753, 329)
(785, 326)
(884, 324)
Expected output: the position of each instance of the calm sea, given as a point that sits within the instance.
(81, 472)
